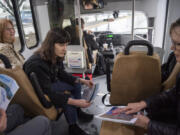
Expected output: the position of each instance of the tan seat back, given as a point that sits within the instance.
(135, 77)
(171, 80)
(88, 64)
(26, 95)
(111, 128)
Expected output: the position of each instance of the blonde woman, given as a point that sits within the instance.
(7, 38)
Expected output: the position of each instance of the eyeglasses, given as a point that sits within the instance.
(176, 48)
(175, 43)
(9, 29)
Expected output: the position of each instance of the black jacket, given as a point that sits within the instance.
(167, 67)
(166, 109)
(48, 73)
(91, 44)
(90, 41)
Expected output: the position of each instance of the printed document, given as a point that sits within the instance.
(117, 117)
(8, 88)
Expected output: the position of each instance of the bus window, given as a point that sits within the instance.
(27, 22)
(141, 26)
(7, 12)
(106, 22)
(141, 23)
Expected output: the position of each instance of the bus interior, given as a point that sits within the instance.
(113, 23)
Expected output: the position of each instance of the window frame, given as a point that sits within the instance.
(35, 26)
(20, 27)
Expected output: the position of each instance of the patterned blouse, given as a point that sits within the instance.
(16, 59)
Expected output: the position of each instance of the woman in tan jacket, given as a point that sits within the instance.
(7, 38)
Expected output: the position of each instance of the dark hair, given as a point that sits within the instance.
(174, 25)
(55, 35)
(74, 35)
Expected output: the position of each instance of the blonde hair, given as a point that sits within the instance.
(174, 25)
(3, 25)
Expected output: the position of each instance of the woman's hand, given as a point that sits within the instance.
(89, 83)
(142, 121)
(79, 102)
(131, 108)
(3, 120)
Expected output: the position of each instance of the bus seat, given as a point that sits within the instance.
(171, 80)
(26, 95)
(135, 75)
(85, 47)
(94, 53)
(111, 128)
(77, 31)
(89, 64)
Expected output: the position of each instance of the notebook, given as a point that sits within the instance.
(89, 94)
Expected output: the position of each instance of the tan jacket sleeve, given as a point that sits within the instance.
(14, 58)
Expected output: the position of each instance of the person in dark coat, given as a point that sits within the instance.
(47, 64)
(163, 109)
(89, 38)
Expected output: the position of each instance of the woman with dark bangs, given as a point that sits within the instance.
(47, 63)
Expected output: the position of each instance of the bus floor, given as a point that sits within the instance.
(97, 107)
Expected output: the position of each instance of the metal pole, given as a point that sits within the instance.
(79, 21)
(80, 34)
(19, 24)
(133, 11)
